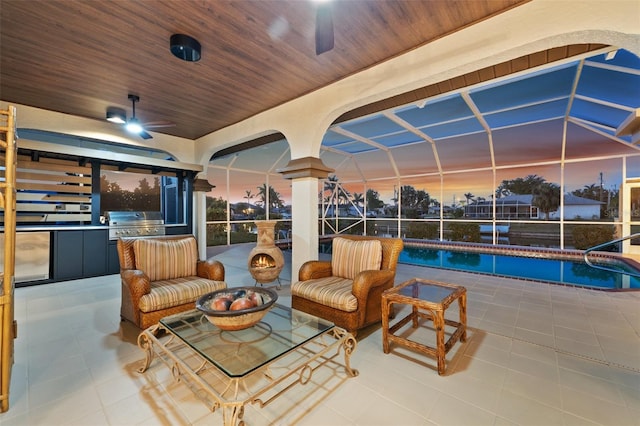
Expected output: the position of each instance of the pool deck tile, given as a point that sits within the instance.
(537, 354)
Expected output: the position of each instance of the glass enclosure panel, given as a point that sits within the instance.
(584, 143)
(527, 193)
(464, 152)
(463, 231)
(333, 225)
(413, 160)
(281, 210)
(283, 188)
(468, 194)
(534, 234)
(382, 227)
(528, 144)
(635, 229)
(592, 190)
(352, 199)
(633, 167)
(633, 172)
(279, 197)
(584, 236)
(246, 195)
(428, 207)
(635, 204)
(421, 229)
(377, 197)
(264, 158)
(217, 197)
(243, 232)
(216, 201)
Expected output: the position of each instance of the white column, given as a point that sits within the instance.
(304, 207)
(304, 174)
(199, 215)
(200, 222)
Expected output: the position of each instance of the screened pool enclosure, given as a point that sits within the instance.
(530, 158)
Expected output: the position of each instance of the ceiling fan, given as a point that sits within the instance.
(133, 124)
(324, 27)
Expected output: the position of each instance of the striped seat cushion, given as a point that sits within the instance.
(349, 257)
(331, 291)
(169, 293)
(166, 260)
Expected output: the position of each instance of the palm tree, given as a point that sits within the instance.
(248, 196)
(502, 191)
(358, 199)
(269, 197)
(546, 197)
(591, 191)
(469, 196)
(330, 183)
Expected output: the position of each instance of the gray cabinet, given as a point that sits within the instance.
(113, 263)
(79, 254)
(94, 252)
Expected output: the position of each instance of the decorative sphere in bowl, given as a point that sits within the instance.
(236, 308)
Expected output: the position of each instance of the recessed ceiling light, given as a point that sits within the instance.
(116, 115)
(185, 47)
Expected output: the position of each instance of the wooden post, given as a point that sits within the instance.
(8, 203)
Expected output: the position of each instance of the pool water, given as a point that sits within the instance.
(567, 272)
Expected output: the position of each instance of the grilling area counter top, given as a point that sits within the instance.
(29, 228)
(52, 253)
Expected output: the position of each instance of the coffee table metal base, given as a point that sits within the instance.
(262, 386)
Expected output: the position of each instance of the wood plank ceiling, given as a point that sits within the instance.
(80, 57)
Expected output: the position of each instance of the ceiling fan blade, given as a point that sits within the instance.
(144, 135)
(324, 28)
(157, 124)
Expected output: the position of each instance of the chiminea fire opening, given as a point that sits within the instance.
(263, 261)
(266, 259)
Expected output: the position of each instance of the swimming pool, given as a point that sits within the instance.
(540, 265)
(564, 267)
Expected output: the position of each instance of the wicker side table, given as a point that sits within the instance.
(428, 300)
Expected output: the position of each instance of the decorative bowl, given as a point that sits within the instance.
(231, 318)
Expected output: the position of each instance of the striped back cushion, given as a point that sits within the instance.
(349, 257)
(166, 260)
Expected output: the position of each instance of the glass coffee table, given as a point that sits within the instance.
(230, 369)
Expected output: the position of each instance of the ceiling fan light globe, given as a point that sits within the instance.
(134, 126)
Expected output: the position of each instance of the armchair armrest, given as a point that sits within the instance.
(314, 269)
(210, 269)
(366, 280)
(135, 284)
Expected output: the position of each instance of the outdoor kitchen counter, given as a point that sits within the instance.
(69, 252)
(33, 228)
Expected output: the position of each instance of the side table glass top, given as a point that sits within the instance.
(426, 291)
(237, 353)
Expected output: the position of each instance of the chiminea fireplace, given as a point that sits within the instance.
(266, 259)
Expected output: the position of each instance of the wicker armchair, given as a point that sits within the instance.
(162, 276)
(346, 290)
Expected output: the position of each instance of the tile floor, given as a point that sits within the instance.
(537, 354)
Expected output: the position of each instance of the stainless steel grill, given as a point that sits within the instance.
(133, 224)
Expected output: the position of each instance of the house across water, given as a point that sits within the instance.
(521, 206)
